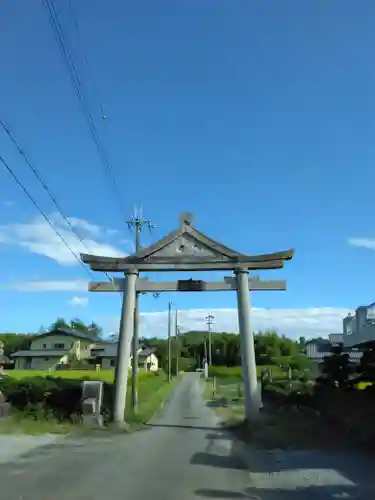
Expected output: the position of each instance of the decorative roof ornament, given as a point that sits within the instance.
(186, 219)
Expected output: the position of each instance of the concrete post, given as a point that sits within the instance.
(124, 346)
(205, 370)
(209, 345)
(249, 373)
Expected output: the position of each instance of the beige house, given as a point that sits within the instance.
(106, 355)
(55, 348)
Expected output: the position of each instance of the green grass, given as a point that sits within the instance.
(105, 375)
(235, 372)
(152, 393)
(16, 425)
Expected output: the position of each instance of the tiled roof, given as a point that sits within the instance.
(40, 353)
(336, 338)
(70, 332)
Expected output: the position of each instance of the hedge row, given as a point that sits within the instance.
(332, 404)
(52, 397)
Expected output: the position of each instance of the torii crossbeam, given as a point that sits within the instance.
(144, 286)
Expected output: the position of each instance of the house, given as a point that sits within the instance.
(50, 350)
(106, 355)
(360, 327)
(318, 349)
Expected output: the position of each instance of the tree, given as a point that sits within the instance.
(337, 368)
(366, 368)
(79, 325)
(302, 343)
(95, 329)
(15, 342)
(59, 323)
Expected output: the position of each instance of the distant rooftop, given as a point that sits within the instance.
(41, 353)
(71, 332)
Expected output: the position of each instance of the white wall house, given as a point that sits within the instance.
(360, 327)
(52, 349)
(106, 356)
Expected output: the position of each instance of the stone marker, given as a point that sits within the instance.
(92, 398)
(4, 406)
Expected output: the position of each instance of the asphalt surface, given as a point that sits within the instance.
(183, 454)
(13, 446)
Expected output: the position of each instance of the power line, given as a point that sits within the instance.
(37, 206)
(78, 87)
(43, 183)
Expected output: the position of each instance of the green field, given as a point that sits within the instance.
(235, 372)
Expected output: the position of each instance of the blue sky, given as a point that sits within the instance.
(258, 117)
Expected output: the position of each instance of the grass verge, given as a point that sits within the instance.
(105, 375)
(152, 393)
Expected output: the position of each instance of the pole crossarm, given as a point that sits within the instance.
(144, 286)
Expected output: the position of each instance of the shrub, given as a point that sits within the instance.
(40, 397)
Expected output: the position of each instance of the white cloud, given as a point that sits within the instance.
(308, 322)
(83, 224)
(8, 203)
(50, 286)
(38, 237)
(363, 242)
(79, 301)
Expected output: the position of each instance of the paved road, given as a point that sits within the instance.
(182, 455)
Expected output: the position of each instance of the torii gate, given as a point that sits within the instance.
(187, 249)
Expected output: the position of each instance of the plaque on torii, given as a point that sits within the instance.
(187, 249)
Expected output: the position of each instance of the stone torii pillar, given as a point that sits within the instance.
(249, 371)
(124, 346)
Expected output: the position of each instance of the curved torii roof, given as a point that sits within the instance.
(187, 249)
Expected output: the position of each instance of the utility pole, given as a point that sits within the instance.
(169, 341)
(177, 343)
(209, 320)
(137, 221)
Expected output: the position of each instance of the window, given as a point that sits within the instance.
(113, 362)
(44, 346)
(59, 346)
